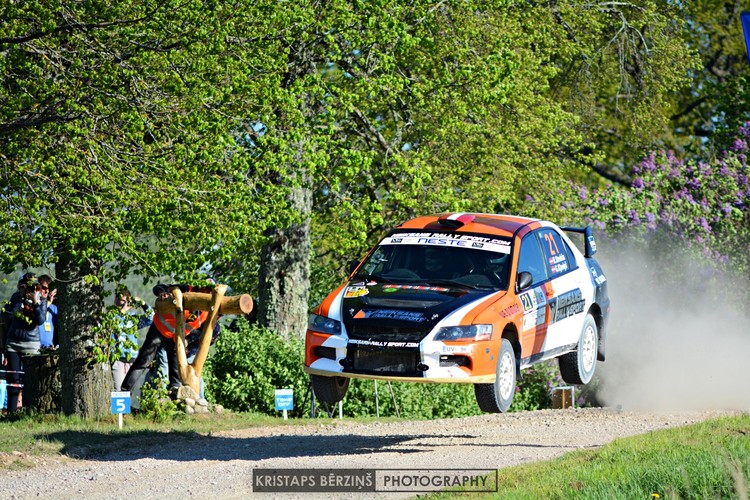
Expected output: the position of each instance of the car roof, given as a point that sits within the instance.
(461, 222)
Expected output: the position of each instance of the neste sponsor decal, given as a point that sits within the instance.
(445, 239)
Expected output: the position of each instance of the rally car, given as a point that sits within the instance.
(463, 298)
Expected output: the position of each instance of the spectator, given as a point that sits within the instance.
(48, 331)
(162, 333)
(25, 313)
(160, 366)
(130, 320)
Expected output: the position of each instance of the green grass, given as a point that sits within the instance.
(706, 460)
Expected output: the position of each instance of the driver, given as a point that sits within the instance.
(438, 263)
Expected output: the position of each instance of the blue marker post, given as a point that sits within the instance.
(745, 18)
(120, 404)
(284, 400)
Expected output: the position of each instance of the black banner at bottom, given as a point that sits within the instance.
(372, 480)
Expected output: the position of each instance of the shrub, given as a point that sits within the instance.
(155, 403)
(249, 364)
(412, 400)
(534, 390)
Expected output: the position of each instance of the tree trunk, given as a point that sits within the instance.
(41, 383)
(85, 385)
(284, 286)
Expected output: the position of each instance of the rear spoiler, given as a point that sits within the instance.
(588, 238)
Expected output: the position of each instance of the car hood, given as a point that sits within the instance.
(383, 311)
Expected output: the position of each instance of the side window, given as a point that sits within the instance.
(377, 261)
(556, 253)
(531, 259)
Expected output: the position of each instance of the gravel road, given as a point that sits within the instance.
(221, 465)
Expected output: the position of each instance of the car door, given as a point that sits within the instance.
(534, 299)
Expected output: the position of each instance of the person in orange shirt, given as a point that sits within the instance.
(162, 334)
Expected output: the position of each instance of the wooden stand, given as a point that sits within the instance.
(217, 305)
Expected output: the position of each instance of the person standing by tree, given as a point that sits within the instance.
(26, 312)
(48, 331)
(130, 320)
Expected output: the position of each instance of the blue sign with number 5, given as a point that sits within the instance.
(120, 402)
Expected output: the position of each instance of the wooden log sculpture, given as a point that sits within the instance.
(217, 305)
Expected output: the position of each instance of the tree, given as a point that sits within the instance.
(174, 137)
(717, 101)
(480, 104)
(116, 136)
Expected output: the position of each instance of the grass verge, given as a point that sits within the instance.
(710, 459)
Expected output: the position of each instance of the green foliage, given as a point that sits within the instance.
(155, 403)
(718, 101)
(412, 400)
(167, 139)
(249, 364)
(107, 348)
(705, 460)
(534, 390)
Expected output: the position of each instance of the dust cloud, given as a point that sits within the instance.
(678, 339)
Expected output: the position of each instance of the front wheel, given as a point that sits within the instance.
(578, 367)
(329, 389)
(497, 397)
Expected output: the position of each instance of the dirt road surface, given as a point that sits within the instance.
(221, 465)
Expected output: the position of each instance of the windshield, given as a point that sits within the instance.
(468, 260)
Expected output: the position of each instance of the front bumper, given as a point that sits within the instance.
(426, 361)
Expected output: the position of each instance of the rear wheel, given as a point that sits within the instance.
(578, 367)
(497, 397)
(329, 389)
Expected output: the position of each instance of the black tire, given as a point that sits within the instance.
(497, 397)
(329, 389)
(578, 367)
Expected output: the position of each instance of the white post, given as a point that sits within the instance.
(284, 414)
(341, 409)
(377, 403)
(119, 419)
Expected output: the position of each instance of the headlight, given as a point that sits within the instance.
(324, 325)
(468, 332)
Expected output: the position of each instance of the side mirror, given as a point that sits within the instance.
(523, 281)
(352, 266)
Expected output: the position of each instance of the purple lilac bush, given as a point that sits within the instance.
(701, 204)
(680, 231)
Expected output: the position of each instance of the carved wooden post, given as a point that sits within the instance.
(208, 327)
(217, 305)
(179, 340)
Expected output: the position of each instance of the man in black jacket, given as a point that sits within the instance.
(24, 313)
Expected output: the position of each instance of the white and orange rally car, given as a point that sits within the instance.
(463, 298)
